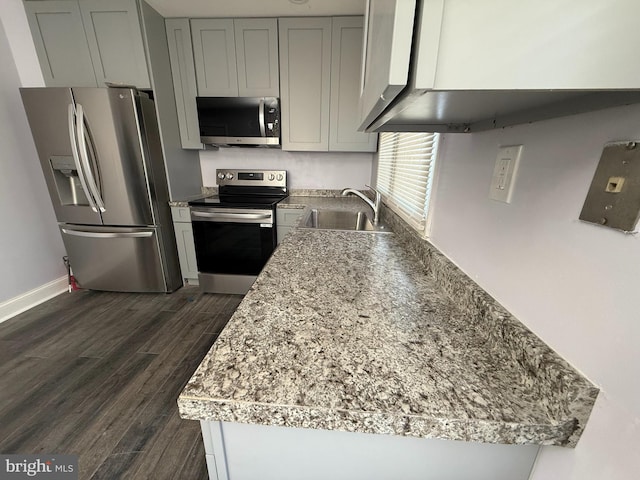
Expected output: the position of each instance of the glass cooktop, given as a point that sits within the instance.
(237, 201)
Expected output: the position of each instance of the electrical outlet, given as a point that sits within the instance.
(504, 173)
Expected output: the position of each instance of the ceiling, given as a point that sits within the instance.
(256, 8)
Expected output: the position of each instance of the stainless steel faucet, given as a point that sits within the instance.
(375, 205)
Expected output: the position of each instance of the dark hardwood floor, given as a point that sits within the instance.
(97, 374)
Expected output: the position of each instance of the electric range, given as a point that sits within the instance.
(235, 231)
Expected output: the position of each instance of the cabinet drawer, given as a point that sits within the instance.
(181, 214)
(289, 217)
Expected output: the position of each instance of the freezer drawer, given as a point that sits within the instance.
(121, 259)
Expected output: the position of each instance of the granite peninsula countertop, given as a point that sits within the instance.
(347, 331)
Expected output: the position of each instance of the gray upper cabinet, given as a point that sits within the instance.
(386, 63)
(320, 65)
(184, 80)
(61, 44)
(89, 42)
(115, 41)
(214, 51)
(305, 67)
(220, 58)
(346, 55)
(257, 57)
(236, 57)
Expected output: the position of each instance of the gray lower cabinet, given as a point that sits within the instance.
(184, 80)
(88, 42)
(236, 451)
(186, 247)
(287, 219)
(320, 61)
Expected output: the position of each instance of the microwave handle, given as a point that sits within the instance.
(263, 133)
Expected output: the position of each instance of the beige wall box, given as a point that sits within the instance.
(614, 196)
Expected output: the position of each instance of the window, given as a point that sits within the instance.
(405, 174)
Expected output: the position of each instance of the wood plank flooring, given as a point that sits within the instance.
(98, 374)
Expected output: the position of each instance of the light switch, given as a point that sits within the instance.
(504, 173)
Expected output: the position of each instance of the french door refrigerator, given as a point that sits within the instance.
(102, 159)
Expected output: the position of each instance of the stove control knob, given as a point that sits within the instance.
(221, 175)
(280, 177)
(272, 176)
(229, 176)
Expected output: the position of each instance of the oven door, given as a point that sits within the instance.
(232, 241)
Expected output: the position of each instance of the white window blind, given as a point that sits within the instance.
(405, 172)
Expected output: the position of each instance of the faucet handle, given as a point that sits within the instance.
(374, 191)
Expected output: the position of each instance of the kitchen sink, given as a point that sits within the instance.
(341, 220)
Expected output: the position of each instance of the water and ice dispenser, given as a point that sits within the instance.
(65, 175)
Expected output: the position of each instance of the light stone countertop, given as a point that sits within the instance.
(351, 203)
(347, 331)
(205, 192)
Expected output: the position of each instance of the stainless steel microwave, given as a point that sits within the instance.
(243, 121)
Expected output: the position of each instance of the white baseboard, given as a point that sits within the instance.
(12, 307)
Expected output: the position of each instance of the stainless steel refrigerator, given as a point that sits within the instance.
(102, 159)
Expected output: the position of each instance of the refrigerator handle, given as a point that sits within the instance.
(82, 141)
(261, 118)
(82, 233)
(76, 156)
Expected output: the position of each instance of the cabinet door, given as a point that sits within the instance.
(389, 26)
(305, 63)
(184, 80)
(346, 53)
(115, 41)
(61, 44)
(186, 250)
(257, 57)
(214, 52)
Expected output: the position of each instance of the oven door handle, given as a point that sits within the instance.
(231, 216)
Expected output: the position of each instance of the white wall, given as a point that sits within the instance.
(572, 283)
(31, 249)
(16, 28)
(315, 170)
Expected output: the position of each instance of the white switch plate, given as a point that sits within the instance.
(504, 173)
